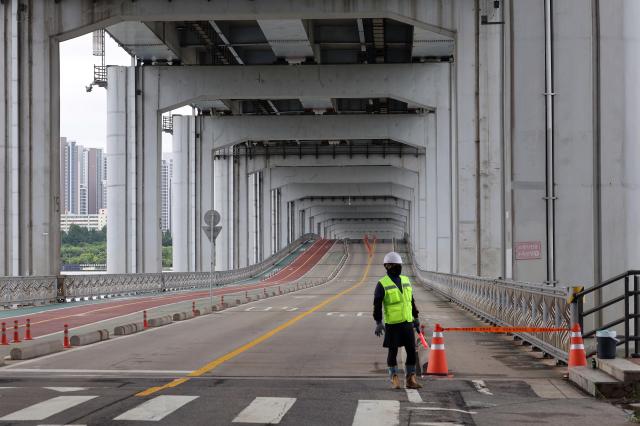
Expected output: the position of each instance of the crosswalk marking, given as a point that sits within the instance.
(157, 408)
(65, 389)
(377, 413)
(265, 410)
(47, 408)
(442, 409)
(414, 396)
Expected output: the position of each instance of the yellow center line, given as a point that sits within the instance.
(229, 356)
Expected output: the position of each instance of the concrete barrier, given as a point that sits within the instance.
(160, 321)
(205, 310)
(89, 338)
(37, 349)
(181, 316)
(125, 329)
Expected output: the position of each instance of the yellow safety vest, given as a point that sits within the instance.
(396, 303)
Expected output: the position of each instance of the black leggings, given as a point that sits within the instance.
(392, 360)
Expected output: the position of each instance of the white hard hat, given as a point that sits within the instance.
(392, 257)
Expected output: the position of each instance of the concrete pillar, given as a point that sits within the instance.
(30, 142)
(431, 196)
(619, 108)
(266, 213)
(242, 212)
(183, 195)
(465, 143)
(443, 157)
(121, 169)
(528, 135)
(223, 193)
(490, 153)
(204, 189)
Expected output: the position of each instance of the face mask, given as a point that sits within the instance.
(394, 270)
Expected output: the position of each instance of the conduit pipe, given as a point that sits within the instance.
(550, 196)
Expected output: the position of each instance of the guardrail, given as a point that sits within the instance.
(508, 303)
(37, 290)
(337, 269)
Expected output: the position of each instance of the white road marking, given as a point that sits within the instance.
(289, 309)
(377, 413)
(72, 371)
(268, 308)
(414, 396)
(359, 314)
(481, 387)
(250, 309)
(65, 389)
(436, 424)
(265, 410)
(442, 409)
(47, 408)
(157, 408)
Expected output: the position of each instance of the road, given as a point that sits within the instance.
(51, 321)
(305, 358)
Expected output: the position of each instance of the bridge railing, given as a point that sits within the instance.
(336, 270)
(36, 290)
(509, 303)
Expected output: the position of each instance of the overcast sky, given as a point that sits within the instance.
(83, 116)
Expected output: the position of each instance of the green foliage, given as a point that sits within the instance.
(167, 257)
(84, 253)
(166, 239)
(78, 235)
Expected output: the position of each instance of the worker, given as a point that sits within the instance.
(394, 296)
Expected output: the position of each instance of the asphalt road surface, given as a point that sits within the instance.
(305, 358)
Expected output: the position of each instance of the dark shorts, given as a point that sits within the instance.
(399, 335)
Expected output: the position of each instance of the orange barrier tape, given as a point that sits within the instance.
(507, 329)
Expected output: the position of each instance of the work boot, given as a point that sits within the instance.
(395, 382)
(412, 382)
(393, 375)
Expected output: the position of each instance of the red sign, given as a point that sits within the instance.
(528, 250)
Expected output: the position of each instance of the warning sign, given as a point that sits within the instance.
(528, 250)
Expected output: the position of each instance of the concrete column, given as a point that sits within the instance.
(619, 108)
(242, 213)
(528, 135)
(223, 187)
(119, 254)
(205, 188)
(431, 196)
(149, 232)
(443, 156)
(266, 213)
(466, 144)
(29, 159)
(183, 212)
(490, 153)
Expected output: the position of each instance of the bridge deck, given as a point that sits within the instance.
(307, 357)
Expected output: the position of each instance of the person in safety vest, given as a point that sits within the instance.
(394, 297)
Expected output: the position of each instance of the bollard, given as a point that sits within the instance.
(193, 307)
(66, 344)
(16, 332)
(222, 301)
(265, 293)
(246, 294)
(27, 335)
(279, 290)
(4, 341)
(145, 323)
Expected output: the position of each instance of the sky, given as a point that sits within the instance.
(83, 116)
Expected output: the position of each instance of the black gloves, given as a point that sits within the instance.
(379, 329)
(416, 325)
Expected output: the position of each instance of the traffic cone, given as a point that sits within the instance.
(4, 341)
(66, 342)
(577, 355)
(16, 332)
(437, 358)
(145, 323)
(27, 335)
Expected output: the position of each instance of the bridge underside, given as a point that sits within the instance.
(496, 153)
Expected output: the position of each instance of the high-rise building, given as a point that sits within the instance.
(69, 176)
(82, 179)
(165, 189)
(95, 169)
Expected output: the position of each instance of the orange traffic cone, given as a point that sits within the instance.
(437, 358)
(4, 341)
(577, 355)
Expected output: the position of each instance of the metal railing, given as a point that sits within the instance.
(629, 296)
(508, 303)
(36, 290)
(343, 260)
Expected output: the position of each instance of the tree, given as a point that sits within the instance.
(167, 240)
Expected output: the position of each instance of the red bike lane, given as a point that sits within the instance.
(53, 321)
